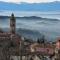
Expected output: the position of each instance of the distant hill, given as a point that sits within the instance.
(31, 34)
(31, 17)
(51, 6)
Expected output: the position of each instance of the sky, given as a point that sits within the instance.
(30, 1)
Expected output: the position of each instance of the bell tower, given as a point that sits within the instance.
(12, 24)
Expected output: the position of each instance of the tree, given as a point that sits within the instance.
(41, 40)
(38, 40)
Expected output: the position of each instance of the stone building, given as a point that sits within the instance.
(9, 41)
(57, 50)
(43, 49)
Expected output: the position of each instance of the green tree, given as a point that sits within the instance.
(41, 40)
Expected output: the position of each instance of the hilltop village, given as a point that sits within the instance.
(15, 47)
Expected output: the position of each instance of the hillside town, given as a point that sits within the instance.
(16, 47)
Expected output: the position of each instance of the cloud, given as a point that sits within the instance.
(16, 1)
(30, 1)
(35, 1)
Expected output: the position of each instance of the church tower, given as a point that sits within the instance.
(12, 24)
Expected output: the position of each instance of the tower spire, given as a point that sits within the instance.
(12, 24)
